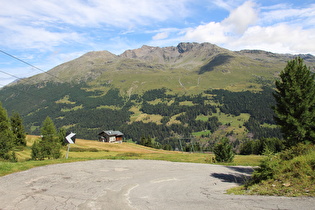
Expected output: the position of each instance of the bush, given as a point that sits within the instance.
(258, 147)
(298, 150)
(223, 151)
(37, 153)
(42, 150)
(266, 170)
(292, 162)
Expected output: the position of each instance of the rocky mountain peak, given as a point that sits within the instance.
(152, 54)
(172, 54)
(192, 46)
(186, 46)
(140, 52)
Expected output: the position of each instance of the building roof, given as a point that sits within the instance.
(112, 133)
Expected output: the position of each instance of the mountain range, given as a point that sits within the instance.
(183, 68)
(104, 91)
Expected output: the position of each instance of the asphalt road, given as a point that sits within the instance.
(134, 184)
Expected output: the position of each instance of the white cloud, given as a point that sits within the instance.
(46, 24)
(277, 29)
(240, 18)
(226, 4)
(26, 37)
(221, 32)
(212, 32)
(280, 38)
(162, 35)
(118, 13)
(283, 13)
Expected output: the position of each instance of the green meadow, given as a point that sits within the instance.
(84, 150)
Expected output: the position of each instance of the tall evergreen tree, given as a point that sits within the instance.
(62, 133)
(6, 135)
(48, 130)
(295, 103)
(18, 129)
(49, 146)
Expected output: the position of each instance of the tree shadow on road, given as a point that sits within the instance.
(233, 178)
(241, 177)
(246, 170)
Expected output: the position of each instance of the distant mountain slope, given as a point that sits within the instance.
(167, 93)
(187, 67)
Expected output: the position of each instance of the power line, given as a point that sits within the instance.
(12, 56)
(19, 90)
(11, 75)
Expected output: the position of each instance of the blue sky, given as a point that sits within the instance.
(48, 33)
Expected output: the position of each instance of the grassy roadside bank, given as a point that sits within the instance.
(288, 173)
(84, 150)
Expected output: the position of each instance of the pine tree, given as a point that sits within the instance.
(48, 130)
(18, 129)
(6, 135)
(295, 103)
(62, 133)
(49, 146)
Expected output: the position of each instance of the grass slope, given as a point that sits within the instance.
(84, 150)
(289, 173)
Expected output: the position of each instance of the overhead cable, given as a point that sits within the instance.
(11, 75)
(8, 54)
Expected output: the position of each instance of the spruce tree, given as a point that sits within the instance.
(62, 133)
(223, 151)
(48, 130)
(49, 146)
(18, 129)
(295, 103)
(6, 135)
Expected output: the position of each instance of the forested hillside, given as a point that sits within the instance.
(159, 114)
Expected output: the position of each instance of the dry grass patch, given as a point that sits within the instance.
(110, 147)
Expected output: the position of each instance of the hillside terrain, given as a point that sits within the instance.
(186, 96)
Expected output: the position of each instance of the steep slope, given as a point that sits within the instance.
(77, 70)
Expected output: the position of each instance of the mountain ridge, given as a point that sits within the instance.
(191, 57)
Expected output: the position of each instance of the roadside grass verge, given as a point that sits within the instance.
(289, 173)
(84, 150)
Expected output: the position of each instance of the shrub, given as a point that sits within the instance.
(223, 151)
(296, 162)
(298, 150)
(258, 147)
(266, 169)
(36, 152)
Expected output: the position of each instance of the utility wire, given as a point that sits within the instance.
(19, 90)
(8, 54)
(11, 75)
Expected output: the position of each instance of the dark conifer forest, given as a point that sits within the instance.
(87, 112)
